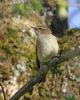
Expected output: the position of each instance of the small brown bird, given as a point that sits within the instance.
(46, 46)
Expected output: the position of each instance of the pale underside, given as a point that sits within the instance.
(47, 47)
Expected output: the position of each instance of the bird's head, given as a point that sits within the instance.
(41, 30)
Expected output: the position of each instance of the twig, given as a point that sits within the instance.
(3, 91)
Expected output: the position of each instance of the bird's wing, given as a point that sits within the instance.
(37, 60)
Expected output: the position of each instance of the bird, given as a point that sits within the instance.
(47, 45)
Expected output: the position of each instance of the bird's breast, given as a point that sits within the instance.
(47, 47)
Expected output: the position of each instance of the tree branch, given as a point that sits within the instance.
(43, 71)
